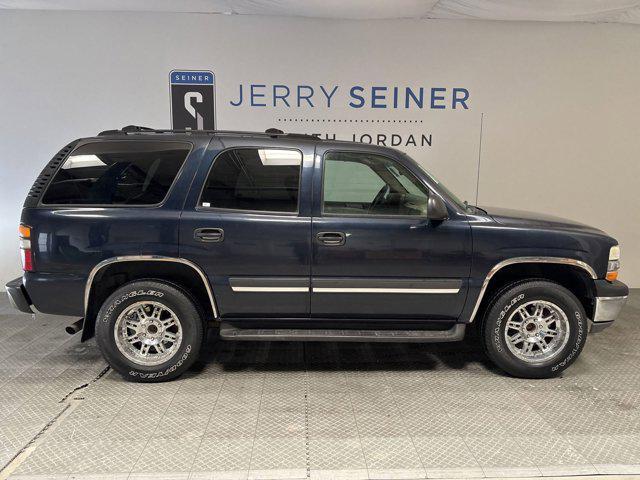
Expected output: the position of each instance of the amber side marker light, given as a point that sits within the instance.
(613, 265)
(25, 248)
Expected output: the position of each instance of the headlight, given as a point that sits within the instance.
(614, 263)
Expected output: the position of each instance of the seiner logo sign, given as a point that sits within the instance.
(192, 99)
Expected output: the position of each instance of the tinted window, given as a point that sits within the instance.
(117, 173)
(367, 184)
(349, 182)
(254, 179)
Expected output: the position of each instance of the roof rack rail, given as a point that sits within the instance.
(271, 132)
(137, 128)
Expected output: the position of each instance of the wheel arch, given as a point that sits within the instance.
(575, 275)
(175, 270)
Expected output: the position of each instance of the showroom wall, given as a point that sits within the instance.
(557, 104)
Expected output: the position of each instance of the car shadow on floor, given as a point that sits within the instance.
(285, 356)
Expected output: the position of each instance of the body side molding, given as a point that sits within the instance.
(385, 285)
(511, 261)
(384, 290)
(147, 258)
(269, 284)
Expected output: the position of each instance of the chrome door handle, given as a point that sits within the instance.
(208, 234)
(335, 239)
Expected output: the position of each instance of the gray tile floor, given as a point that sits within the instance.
(323, 410)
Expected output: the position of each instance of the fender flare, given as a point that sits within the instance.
(511, 261)
(146, 258)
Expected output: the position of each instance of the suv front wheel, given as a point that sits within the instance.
(534, 329)
(149, 331)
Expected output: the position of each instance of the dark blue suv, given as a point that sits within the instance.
(154, 236)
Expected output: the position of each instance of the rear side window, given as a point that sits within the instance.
(255, 179)
(117, 173)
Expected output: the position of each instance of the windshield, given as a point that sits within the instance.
(452, 196)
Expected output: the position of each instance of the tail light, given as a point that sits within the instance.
(25, 248)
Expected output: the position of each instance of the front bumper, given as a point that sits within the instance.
(18, 295)
(609, 300)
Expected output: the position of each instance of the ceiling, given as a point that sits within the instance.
(620, 11)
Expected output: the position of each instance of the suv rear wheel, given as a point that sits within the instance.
(149, 331)
(534, 329)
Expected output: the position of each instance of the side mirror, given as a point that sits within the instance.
(436, 208)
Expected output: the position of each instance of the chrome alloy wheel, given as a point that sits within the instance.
(148, 333)
(537, 331)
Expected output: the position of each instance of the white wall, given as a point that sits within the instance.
(560, 101)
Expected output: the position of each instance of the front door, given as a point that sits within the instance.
(247, 224)
(376, 254)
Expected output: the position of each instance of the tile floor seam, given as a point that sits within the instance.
(102, 373)
(193, 460)
(306, 412)
(28, 367)
(562, 438)
(42, 334)
(133, 464)
(485, 468)
(4, 338)
(37, 436)
(255, 432)
(355, 418)
(614, 419)
(395, 402)
(43, 385)
(32, 318)
(522, 398)
(466, 444)
(224, 380)
(42, 432)
(8, 339)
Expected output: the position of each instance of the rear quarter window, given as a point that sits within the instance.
(117, 173)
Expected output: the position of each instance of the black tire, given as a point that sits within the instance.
(516, 295)
(174, 301)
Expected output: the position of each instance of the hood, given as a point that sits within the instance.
(523, 219)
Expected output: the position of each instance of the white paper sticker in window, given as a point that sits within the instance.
(273, 157)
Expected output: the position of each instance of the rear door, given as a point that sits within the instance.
(247, 224)
(376, 254)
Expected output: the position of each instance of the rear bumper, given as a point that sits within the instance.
(18, 295)
(610, 298)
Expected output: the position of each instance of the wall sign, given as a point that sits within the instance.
(385, 114)
(192, 100)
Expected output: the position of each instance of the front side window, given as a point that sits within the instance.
(368, 184)
(254, 179)
(117, 173)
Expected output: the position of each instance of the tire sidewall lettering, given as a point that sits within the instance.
(576, 347)
(150, 290)
(577, 329)
(497, 331)
(135, 293)
(166, 371)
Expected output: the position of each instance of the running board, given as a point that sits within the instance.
(230, 332)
